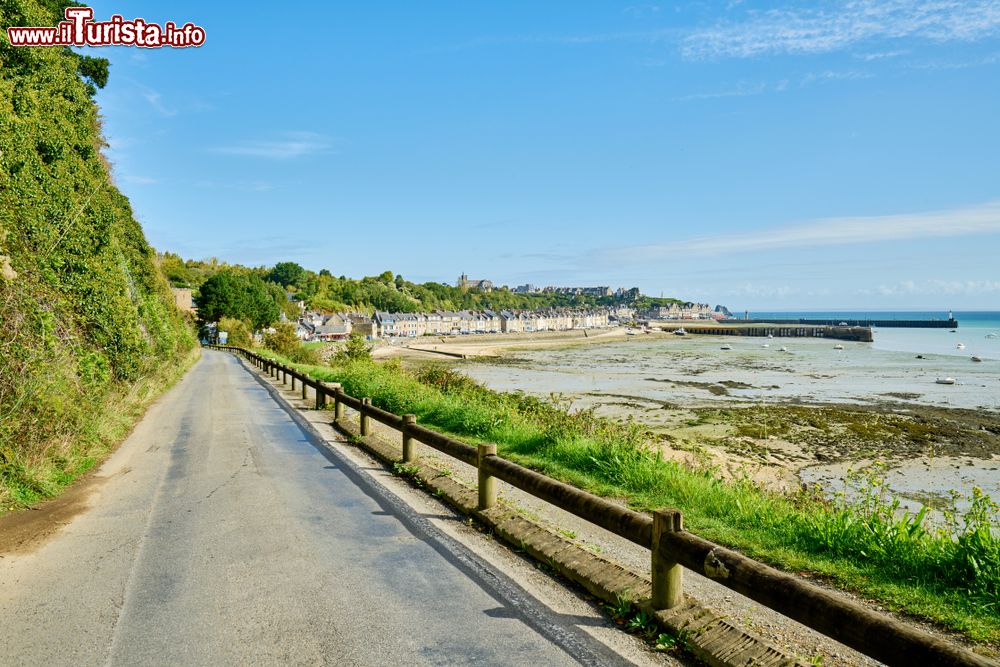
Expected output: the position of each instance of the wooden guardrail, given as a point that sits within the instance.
(672, 548)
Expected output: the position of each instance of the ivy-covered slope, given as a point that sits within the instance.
(87, 321)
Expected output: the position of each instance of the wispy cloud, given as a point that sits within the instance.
(289, 146)
(640, 11)
(980, 219)
(942, 287)
(851, 22)
(834, 75)
(881, 55)
(741, 89)
(155, 100)
(749, 88)
(990, 59)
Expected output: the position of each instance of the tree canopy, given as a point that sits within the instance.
(241, 296)
(386, 291)
(287, 273)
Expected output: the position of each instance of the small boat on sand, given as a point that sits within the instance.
(727, 346)
(991, 335)
(960, 346)
(765, 345)
(838, 346)
(783, 349)
(679, 332)
(975, 358)
(945, 380)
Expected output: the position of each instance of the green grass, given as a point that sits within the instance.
(950, 574)
(107, 421)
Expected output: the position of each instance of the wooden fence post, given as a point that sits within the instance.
(487, 483)
(668, 574)
(365, 425)
(338, 405)
(409, 455)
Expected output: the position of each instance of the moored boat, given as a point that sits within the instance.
(945, 380)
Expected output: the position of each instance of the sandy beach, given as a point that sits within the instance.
(499, 345)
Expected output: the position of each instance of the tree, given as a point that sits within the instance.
(287, 273)
(238, 295)
(355, 349)
(94, 72)
(283, 340)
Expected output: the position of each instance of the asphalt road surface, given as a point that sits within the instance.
(222, 533)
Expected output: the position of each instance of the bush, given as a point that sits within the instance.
(355, 349)
(285, 342)
(239, 332)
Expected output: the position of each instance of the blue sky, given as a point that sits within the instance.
(759, 155)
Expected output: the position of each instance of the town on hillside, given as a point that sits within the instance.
(316, 326)
(319, 319)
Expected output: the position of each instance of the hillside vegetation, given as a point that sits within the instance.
(326, 292)
(87, 323)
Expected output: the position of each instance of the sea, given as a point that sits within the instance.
(902, 365)
(973, 327)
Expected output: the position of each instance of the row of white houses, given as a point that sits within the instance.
(446, 322)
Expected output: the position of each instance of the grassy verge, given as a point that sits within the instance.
(25, 480)
(949, 575)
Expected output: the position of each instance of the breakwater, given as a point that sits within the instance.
(771, 329)
(908, 324)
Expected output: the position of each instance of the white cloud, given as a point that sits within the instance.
(881, 55)
(155, 100)
(980, 219)
(741, 89)
(292, 145)
(748, 89)
(940, 287)
(851, 22)
(833, 75)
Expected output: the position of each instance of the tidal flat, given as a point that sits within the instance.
(805, 414)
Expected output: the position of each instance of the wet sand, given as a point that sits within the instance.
(774, 415)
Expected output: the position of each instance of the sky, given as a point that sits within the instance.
(761, 155)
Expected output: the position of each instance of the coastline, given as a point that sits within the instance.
(725, 411)
(777, 419)
(471, 346)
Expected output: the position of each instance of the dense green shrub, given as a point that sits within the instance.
(84, 311)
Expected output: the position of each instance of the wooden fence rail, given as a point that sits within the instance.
(876, 635)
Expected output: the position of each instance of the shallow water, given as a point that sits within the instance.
(810, 371)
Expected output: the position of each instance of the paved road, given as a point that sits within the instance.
(220, 533)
